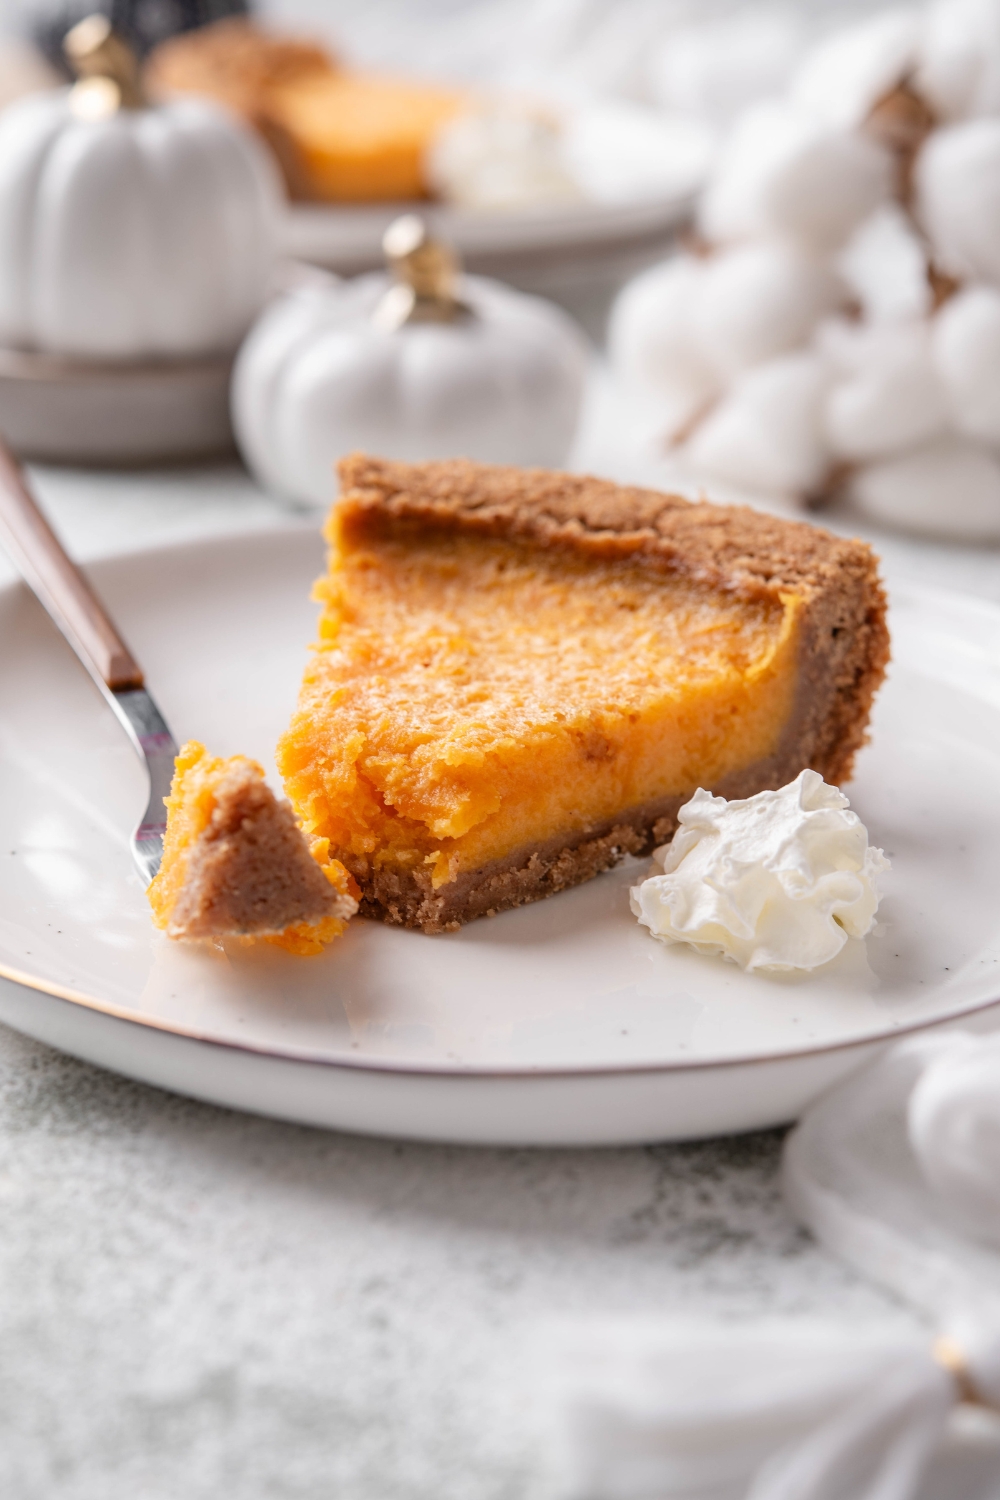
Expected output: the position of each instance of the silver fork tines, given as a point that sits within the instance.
(147, 729)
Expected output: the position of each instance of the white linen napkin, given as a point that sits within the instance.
(897, 1171)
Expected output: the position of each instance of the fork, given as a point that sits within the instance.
(64, 591)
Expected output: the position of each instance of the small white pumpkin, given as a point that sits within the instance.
(129, 232)
(337, 367)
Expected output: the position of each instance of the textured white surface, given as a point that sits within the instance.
(197, 1303)
(200, 1304)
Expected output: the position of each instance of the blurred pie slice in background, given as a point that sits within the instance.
(339, 136)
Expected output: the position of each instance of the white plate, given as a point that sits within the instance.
(549, 252)
(639, 169)
(89, 412)
(561, 1022)
(349, 237)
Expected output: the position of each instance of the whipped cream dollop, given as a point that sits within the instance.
(505, 155)
(776, 881)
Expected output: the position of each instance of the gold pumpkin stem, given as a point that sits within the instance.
(951, 1357)
(425, 272)
(106, 67)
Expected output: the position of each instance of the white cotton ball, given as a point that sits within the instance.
(767, 433)
(652, 340)
(966, 347)
(759, 300)
(951, 487)
(714, 69)
(845, 75)
(892, 399)
(885, 265)
(957, 183)
(959, 68)
(845, 344)
(785, 172)
(620, 152)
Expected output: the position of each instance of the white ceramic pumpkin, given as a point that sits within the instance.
(142, 233)
(319, 377)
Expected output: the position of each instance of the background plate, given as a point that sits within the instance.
(577, 255)
(561, 1022)
(348, 238)
(86, 412)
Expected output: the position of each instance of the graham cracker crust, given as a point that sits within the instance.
(843, 642)
(250, 871)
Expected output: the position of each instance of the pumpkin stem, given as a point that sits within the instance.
(426, 273)
(106, 68)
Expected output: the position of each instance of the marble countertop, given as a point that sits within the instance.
(198, 1303)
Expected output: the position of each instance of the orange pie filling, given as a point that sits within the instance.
(471, 696)
(308, 897)
(359, 137)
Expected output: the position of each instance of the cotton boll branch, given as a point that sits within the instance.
(894, 398)
(835, 329)
(784, 172)
(957, 198)
(761, 300)
(767, 433)
(901, 121)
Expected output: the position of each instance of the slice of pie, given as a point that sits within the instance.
(236, 864)
(338, 135)
(357, 137)
(235, 62)
(522, 675)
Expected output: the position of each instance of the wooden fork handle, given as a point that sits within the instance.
(59, 584)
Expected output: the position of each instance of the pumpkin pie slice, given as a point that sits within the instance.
(339, 135)
(236, 864)
(521, 676)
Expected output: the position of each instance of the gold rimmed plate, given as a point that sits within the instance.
(563, 1022)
